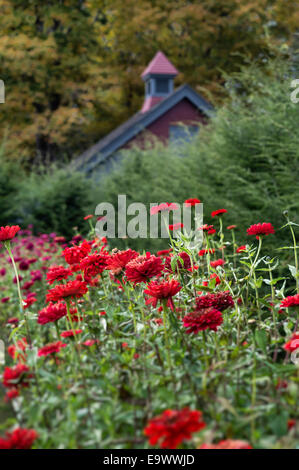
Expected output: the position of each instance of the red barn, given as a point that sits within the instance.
(167, 114)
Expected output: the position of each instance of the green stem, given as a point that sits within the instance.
(253, 393)
(165, 325)
(22, 310)
(296, 257)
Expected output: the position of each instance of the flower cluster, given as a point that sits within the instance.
(172, 427)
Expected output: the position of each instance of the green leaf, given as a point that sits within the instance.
(261, 339)
(293, 271)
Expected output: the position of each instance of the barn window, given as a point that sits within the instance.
(179, 132)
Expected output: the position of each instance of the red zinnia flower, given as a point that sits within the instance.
(208, 318)
(87, 217)
(10, 395)
(57, 273)
(74, 254)
(231, 227)
(51, 348)
(293, 343)
(218, 212)
(167, 206)
(90, 342)
(70, 333)
(191, 202)
(206, 227)
(30, 299)
(183, 261)
(162, 290)
(220, 301)
(218, 262)
(260, 229)
(172, 427)
(20, 438)
(142, 268)
(94, 264)
(8, 232)
(71, 289)
(51, 313)
(291, 423)
(119, 260)
(163, 253)
(175, 226)
(213, 276)
(16, 376)
(205, 252)
(240, 249)
(291, 301)
(228, 444)
(13, 321)
(18, 351)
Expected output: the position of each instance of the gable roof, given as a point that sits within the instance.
(160, 65)
(136, 124)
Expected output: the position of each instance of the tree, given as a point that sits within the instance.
(47, 63)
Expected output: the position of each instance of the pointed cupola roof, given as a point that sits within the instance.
(160, 65)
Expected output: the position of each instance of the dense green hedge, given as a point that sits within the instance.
(53, 200)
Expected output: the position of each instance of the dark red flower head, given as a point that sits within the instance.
(16, 376)
(20, 438)
(57, 273)
(291, 301)
(172, 427)
(218, 212)
(8, 232)
(217, 262)
(75, 254)
(163, 253)
(51, 348)
(94, 264)
(220, 301)
(293, 343)
(162, 290)
(70, 333)
(192, 202)
(205, 252)
(204, 319)
(17, 351)
(142, 268)
(71, 289)
(119, 260)
(51, 313)
(260, 229)
(183, 262)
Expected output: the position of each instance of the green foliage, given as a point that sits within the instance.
(54, 200)
(10, 173)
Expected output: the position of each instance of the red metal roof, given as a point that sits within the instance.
(160, 65)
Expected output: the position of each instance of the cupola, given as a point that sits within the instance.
(158, 77)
